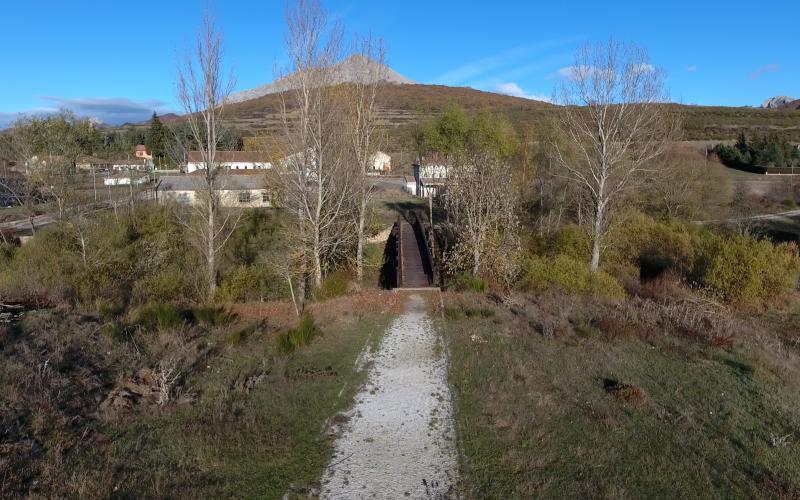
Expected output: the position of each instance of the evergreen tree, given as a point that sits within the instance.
(156, 140)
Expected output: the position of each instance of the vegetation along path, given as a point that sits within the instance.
(399, 439)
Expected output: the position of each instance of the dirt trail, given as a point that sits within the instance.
(399, 439)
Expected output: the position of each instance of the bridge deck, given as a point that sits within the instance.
(412, 269)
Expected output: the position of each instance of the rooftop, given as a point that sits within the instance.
(232, 157)
(224, 182)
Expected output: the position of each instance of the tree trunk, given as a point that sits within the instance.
(362, 215)
(211, 250)
(317, 263)
(597, 234)
(476, 259)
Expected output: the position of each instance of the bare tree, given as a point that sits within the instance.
(202, 90)
(615, 120)
(361, 109)
(313, 177)
(479, 200)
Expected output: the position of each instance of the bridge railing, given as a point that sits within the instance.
(427, 256)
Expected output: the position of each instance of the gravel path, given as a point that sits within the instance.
(399, 441)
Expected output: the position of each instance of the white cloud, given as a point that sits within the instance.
(469, 72)
(111, 110)
(691, 69)
(769, 68)
(513, 89)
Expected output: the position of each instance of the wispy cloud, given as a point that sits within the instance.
(691, 69)
(769, 68)
(513, 89)
(576, 72)
(467, 73)
(111, 110)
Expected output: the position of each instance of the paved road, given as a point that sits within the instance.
(399, 440)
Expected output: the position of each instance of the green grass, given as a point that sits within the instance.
(242, 439)
(536, 418)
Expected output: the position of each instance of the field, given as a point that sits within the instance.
(245, 419)
(558, 398)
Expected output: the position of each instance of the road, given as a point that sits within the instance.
(777, 216)
(399, 440)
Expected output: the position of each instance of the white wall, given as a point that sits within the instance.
(123, 181)
(228, 198)
(241, 165)
(381, 162)
(433, 171)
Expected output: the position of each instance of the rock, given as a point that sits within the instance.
(777, 102)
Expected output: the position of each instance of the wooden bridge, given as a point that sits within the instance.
(414, 264)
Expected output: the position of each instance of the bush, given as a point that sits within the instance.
(569, 274)
(158, 317)
(334, 285)
(571, 241)
(109, 309)
(43, 269)
(748, 271)
(111, 330)
(469, 283)
(303, 335)
(212, 316)
(251, 283)
(653, 246)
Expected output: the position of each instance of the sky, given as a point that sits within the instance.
(116, 60)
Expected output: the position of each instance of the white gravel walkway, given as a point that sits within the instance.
(399, 439)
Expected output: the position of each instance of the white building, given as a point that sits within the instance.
(426, 187)
(433, 171)
(231, 160)
(235, 191)
(380, 163)
(125, 180)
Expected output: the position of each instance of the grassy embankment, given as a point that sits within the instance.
(569, 397)
(245, 418)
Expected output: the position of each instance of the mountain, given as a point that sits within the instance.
(354, 69)
(791, 106)
(777, 102)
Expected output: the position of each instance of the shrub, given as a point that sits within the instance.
(158, 317)
(211, 316)
(569, 274)
(571, 241)
(111, 330)
(468, 283)
(334, 285)
(653, 246)
(251, 283)
(748, 271)
(109, 309)
(236, 337)
(303, 335)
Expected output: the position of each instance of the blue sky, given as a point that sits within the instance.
(117, 60)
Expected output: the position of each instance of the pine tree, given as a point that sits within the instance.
(156, 140)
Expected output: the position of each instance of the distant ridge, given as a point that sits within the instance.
(354, 69)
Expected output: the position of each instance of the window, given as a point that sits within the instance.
(264, 197)
(244, 197)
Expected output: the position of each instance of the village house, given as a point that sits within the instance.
(131, 163)
(230, 160)
(236, 190)
(428, 180)
(93, 163)
(141, 152)
(380, 163)
(125, 179)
